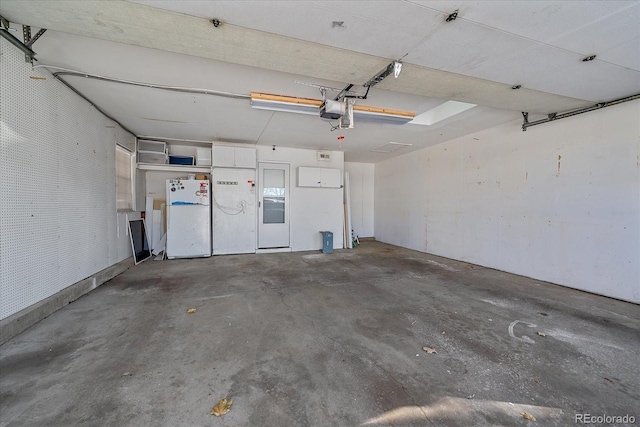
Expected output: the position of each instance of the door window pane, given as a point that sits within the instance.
(273, 196)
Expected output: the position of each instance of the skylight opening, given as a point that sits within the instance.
(441, 112)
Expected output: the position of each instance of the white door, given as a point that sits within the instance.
(234, 211)
(273, 205)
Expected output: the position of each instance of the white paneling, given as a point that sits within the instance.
(311, 209)
(361, 179)
(245, 157)
(319, 177)
(377, 27)
(330, 178)
(308, 177)
(223, 156)
(234, 157)
(193, 36)
(560, 202)
(58, 218)
(597, 27)
(156, 182)
(234, 211)
(480, 51)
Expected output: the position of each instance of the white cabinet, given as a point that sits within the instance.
(234, 157)
(318, 177)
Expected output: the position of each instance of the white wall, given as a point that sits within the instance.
(156, 182)
(58, 221)
(311, 210)
(361, 180)
(560, 202)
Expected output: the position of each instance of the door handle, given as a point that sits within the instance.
(259, 203)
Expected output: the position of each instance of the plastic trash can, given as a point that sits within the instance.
(327, 242)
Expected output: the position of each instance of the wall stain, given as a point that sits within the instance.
(559, 158)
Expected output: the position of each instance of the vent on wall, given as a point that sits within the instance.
(324, 156)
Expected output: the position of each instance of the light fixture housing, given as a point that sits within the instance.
(290, 104)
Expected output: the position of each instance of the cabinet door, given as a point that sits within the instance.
(223, 156)
(309, 177)
(245, 158)
(330, 178)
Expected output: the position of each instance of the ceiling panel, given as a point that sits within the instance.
(140, 25)
(188, 116)
(384, 28)
(577, 26)
(478, 50)
(446, 85)
(615, 37)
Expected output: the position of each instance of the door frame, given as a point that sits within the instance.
(287, 206)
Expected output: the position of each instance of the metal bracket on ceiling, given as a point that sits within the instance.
(525, 116)
(36, 37)
(558, 116)
(346, 93)
(29, 41)
(381, 75)
(26, 36)
(4, 32)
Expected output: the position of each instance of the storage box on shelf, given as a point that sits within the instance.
(152, 152)
(181, 160)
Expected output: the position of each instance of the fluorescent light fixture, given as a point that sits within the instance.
(375, 117)
(286, 107)
(441, 112)
(289, 104)
(292, 104)
(390, 147)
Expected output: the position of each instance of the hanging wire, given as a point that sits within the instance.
(240, 208)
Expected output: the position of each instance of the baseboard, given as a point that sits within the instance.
(24, 319)
(273, 250)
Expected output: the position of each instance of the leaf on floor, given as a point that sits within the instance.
(429, 350)
(191, 310)
(528, 416)
(542, 334)
(222, 407)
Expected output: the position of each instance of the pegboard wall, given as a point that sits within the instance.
(58, 221)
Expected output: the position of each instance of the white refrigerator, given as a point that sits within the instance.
(188, 218)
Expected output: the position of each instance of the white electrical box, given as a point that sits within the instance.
(234, 157)
(318, 177)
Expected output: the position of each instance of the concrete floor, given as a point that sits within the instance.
(305, 338)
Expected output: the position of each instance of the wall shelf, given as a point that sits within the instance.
(173, 168)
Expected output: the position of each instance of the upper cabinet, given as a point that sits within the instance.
(319, 177)
(234, 157)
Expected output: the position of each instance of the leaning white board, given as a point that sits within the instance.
(347, 200)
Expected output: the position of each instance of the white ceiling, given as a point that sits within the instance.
(265, 46)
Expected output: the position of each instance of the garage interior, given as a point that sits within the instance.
(417, 212)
